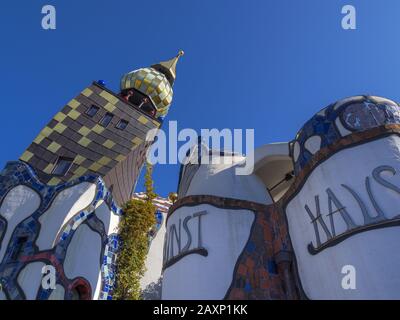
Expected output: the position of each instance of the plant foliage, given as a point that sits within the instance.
(134, 228)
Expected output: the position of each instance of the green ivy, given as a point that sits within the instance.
(134, 228)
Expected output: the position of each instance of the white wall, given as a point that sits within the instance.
(83, 256)
(20, 203)
(67, 203)
(220, 180)
(83, 253)
(154, 261)
(224, 232)
(30, 279)
(224, 235)
(373, 253)
(109, 219)
(57, 293)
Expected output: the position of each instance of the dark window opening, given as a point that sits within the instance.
(148, 108)
(62, 166)
(19, 246)
(91, 112)
(105, 121)
(135, 99)
(122, 124)
(133, 96)
(139, 100)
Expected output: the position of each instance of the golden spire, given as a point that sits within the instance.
(169, 67)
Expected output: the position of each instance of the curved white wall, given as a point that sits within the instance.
(57, 293)
(67, 204)
(373, 253)
(109, 219)
(221, 180)
(224, 234)
(20, 203)
(154, 260)
(30, 279)
(83, 253)
(83, 256)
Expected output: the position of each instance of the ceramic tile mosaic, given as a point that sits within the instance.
(256, 275)
(355, 114)
(19, 173)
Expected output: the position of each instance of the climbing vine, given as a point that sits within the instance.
(134, 228)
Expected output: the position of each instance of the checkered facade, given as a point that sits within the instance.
(152, 83)
(95, 149)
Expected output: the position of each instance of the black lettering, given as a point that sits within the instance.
(318, 219)
(199, 238)
(189, 236)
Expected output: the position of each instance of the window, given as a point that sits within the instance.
(80, 292)
(135, 97)
(62, 166)
(122, 124)
(139, 100)
(148, 108)
(91, 112)
(105, 121)
(19, 246)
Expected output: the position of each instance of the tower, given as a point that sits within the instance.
(102, 133)
(60, 204)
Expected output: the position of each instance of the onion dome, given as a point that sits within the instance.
(354, 114)
(155, 81)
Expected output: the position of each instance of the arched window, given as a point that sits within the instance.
(80, 290)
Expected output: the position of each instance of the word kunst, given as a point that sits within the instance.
(174, 234)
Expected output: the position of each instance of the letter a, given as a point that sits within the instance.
(349, 280)
(349, 20)
(49, 278)
(49, 20)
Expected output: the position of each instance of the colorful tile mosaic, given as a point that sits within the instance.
(258, 274)
(108, 267)
(153, 83)
(19, 173)
(355, 114)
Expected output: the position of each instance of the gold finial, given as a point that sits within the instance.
(169, 67)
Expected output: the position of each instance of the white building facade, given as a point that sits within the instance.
(317, 219)
(57, 242)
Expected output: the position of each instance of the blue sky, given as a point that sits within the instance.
(262, 64)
